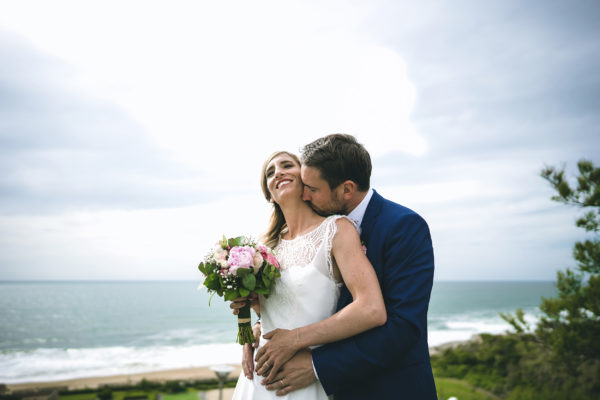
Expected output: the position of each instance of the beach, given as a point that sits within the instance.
(184, 374)
(181, 374)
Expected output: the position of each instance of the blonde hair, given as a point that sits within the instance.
(277, 222)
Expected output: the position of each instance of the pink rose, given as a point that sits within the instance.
(268, 256)
(272, 260)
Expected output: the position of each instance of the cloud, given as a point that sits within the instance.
(62, 149)
(190, 113)
(141, 143)
(124, 244)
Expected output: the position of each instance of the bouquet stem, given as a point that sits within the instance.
(244, 329)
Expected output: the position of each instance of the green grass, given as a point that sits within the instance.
(120, 395)
(117, 395)
(448, 387)
(189, 395)
(82, 396)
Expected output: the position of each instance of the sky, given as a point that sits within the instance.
(132, 133)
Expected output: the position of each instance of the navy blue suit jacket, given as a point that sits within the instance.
(390, 361)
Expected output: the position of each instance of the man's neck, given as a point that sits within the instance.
(355, 201)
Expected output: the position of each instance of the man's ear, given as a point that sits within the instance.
(349, 189)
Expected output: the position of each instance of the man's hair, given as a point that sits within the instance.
(339, 157)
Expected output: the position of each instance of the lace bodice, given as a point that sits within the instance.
(307, 291)
(302, 250)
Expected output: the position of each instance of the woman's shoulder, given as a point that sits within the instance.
(340, 221)
(341, 226)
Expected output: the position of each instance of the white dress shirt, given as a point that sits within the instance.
(358, 213)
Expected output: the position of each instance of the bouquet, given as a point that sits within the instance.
(234, 268)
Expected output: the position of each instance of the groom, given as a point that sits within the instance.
(391, 361)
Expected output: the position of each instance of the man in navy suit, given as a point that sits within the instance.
(391, 361)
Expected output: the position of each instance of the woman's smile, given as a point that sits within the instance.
(282, 182)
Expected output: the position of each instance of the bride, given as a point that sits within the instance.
(316, 255)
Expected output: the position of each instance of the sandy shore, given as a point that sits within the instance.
(201, 373)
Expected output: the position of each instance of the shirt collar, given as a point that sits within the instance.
(358, 213)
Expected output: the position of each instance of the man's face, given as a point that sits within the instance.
(319, 195)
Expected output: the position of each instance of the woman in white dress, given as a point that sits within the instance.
(316, 254)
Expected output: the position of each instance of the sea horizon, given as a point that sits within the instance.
(198, 280)
(62, 329)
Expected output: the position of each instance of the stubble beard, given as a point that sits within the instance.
(335, 209)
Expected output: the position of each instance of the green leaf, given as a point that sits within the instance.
(244, 292)
(202, 268)
(210, 268)
(212, 282)
(223, 242)
(266, 280)
(235, 241)
(231, 294)
(242, 272)
(264, 291)
(249, 282)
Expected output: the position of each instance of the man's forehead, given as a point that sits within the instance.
(311, 172)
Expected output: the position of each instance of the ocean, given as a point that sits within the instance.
(62, 330)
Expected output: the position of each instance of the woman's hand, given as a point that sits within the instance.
(248, 352)
(240, 302)
(282, 346)
(247, 360)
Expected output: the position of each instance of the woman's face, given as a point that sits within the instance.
(283, 178)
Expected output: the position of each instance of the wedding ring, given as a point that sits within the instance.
(281, 383)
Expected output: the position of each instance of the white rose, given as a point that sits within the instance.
(258, 261)
(220, 256)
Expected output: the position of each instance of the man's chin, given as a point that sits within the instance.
(321, 212)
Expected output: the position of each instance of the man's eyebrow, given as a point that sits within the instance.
(310, 187)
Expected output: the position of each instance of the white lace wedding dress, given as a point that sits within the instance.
(306, 293)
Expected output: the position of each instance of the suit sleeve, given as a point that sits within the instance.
(406, 280)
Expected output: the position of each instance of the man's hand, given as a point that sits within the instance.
(240, 302)
(295, 374)
(282, 346)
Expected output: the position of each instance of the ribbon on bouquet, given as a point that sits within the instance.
(244, 329)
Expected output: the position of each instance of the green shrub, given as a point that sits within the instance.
(105, 394)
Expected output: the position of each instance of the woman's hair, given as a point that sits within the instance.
(277, 222)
